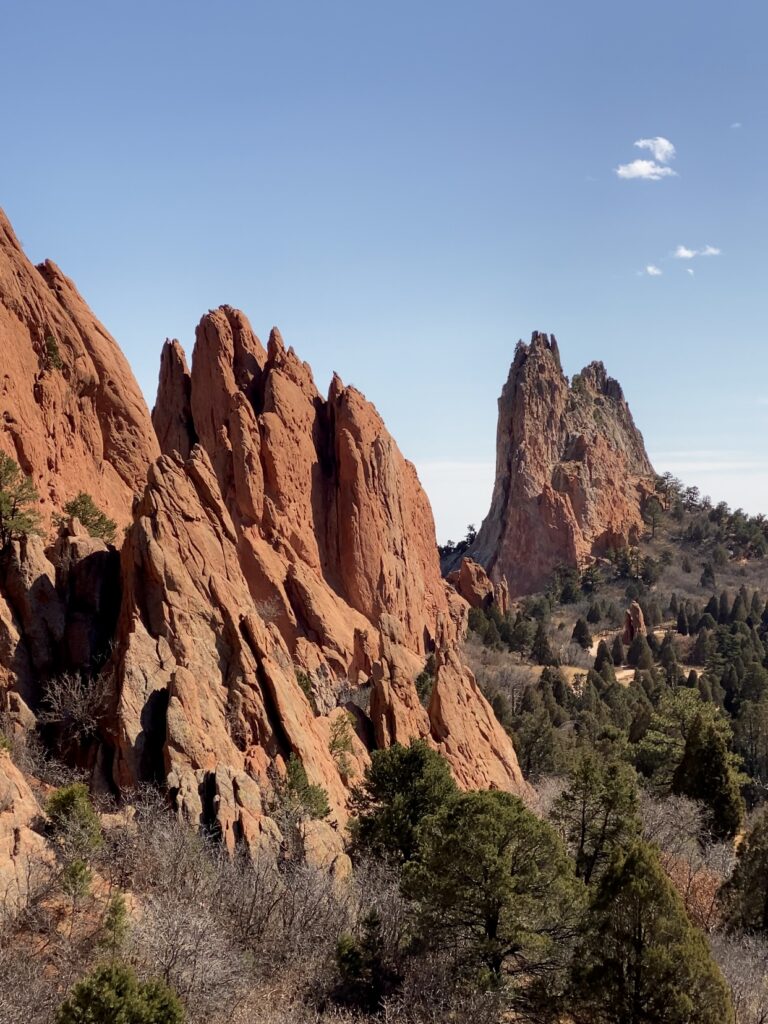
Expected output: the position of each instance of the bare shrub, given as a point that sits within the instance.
(743, 959)
(75, 704)
(696, 865)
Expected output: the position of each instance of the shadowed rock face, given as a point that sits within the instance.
(72, 414)
(571, 470)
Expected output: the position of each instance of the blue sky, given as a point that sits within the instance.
(407, 189)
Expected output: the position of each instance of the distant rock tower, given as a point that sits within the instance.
(571, 471)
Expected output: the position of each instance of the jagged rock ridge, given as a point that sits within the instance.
(282, 532)
(278, 571)
(571, 470)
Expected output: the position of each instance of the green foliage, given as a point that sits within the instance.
(17, 499)
(112, 994)
(73, 819)
(745, 895)
(661, 748)
(640, 960)
(494, 882)
(76, 880)
(581, 635)
(541, 649)
(597, 813)
(366, 975)
(114, 928)
(96, 522)
(340, 745)
(300, 795)
(639, 653)
(53, 360)
(706, 773)
(653, 514)
(400, 788)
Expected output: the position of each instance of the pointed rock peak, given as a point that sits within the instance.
(172, 414)
(276, 344)
(336, 389)
(595, 377)
(571, 471)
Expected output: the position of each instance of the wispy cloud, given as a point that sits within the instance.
(682, 252)
(736, 124)
(648, 170)
(653, 271)
(689, 270)
(661, 148)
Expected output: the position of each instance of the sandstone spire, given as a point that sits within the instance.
(571, 470)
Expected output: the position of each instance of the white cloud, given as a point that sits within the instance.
(736, 124)
(661, 148)
(682, 252)
(647, 169)
(653, 271)
(689, 270)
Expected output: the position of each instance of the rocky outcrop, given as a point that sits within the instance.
(72, 413)
(281, 560)
(471, 581)
(571, 471)
(278, 589)
(23, 852)
(634, 623)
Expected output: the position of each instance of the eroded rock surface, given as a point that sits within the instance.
(571, 471)
(72, 414)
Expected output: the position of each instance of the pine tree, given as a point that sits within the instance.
(739, 610)
(745, 895)
(401, 786)
(682, 622)
(618, 653)
(705, 773)
(603, 656)
(594, 614)
(581, 635)
(96, 522)
(18, 497)
(639, 653)
(541, 650)
(112, 995)
(493, 882)
(640, 960)
(597, 812)
(724, 609)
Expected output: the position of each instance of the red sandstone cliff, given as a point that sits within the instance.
(280, 533)
(571, 470)
(72, 414)
(279, 569)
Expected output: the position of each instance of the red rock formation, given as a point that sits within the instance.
(294, 537)
(571, 471)
(280, 562)
(634, 623)
(23, 852)
(471, 582)
(72, 414)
